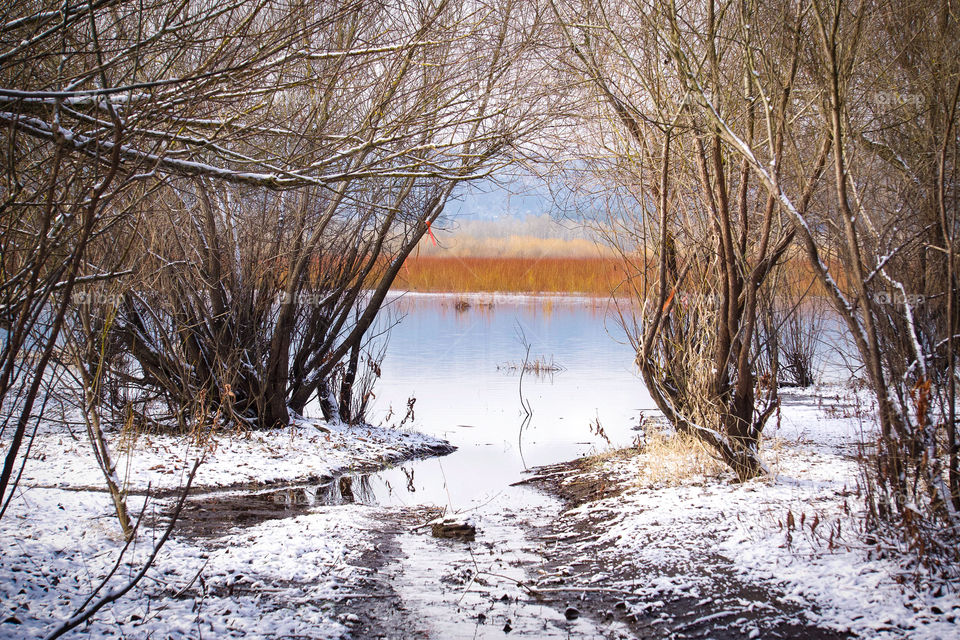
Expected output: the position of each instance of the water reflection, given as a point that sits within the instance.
(356, 489)
(448, 358)
(208, 515)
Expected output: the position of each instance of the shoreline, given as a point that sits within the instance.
(625, 543)
(257, 557)
(702, 597)
(308, 450)
(705, 556)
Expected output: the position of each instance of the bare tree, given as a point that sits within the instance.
(882, 97)
(698, 235)
(369, 114)
(211, 200)
(253, 297)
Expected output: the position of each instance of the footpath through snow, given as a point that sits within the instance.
(681, 554)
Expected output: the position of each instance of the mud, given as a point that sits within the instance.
(528, 573)
(726, 608)
(372, 608)
(419, 586)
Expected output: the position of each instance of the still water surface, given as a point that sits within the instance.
(456, 364)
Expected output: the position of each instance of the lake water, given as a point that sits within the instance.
(456, 363)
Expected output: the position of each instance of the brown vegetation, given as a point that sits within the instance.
(594, 276)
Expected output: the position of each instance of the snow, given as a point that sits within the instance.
(251, 579)
(59, 537)
(797, 533)
(308, 449)
(799, 530)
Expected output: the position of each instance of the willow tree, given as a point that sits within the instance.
(877, 87)
(228, 182)
(257, 292)
(698, 233)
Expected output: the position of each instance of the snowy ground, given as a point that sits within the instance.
(59, 538)
(796, 535)
(309, 449)
(633, 554)
(249, 583)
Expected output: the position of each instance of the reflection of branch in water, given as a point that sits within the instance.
(409, 474)
(521, 336)
(524, 403)
(523, 425)
(348, 490)
(478, 572)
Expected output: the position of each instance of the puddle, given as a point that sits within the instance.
(213, 514)
(442, 588)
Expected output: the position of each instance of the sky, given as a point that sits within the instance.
(491, 201)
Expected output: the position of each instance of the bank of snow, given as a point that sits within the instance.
(797, 534)
(276, 578)
(306, 450)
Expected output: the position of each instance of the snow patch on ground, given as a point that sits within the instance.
(306, 449)
(799, 530)
(276, 578)
(273, 579)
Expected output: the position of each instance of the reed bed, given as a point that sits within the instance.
(592, 276)
(595, 276)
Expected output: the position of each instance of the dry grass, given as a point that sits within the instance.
(597, 275)
(674, 458)
(538, 366)
(514, 246)
(594, 276)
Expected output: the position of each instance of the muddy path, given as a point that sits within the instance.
(418, 586)
(577, 573)
(536, 568)
(373, 608)
(535, 571)
(401, 581)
